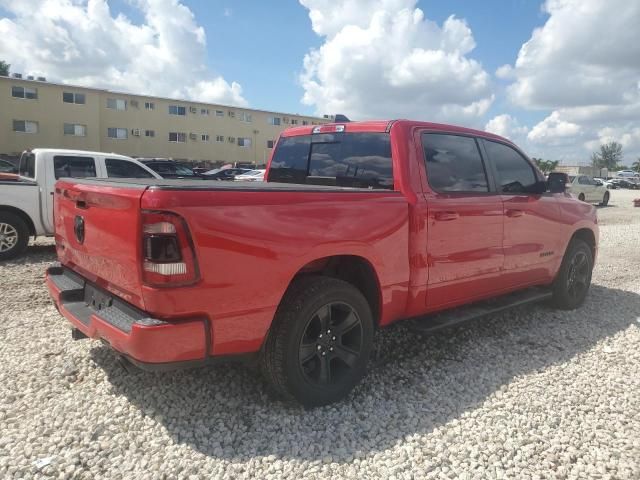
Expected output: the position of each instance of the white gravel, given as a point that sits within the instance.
(532, 393)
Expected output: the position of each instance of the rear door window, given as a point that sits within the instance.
(74, 167)
(117, 168)
(454, 163)
(515, 173)
(360, 160)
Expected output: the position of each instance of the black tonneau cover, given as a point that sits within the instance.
(213, 185)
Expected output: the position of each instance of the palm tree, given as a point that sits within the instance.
(636, 166)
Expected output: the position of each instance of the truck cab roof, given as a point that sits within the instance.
(385, 126)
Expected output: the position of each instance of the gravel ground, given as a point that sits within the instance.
(531, 393)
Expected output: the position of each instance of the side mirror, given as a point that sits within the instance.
(557, 182)
(539, 187)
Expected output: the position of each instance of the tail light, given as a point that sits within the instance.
(169, 258)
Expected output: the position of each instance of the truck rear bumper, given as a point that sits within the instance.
(147, 342)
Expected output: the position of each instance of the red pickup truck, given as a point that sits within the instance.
(358, 225)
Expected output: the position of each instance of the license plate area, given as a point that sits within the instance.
(96, 299)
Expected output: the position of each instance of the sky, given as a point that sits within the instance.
(558, 77)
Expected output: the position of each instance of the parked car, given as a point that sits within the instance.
(169, 168)
(606, 183)
(226, 174)
(251, 176)
(588, 190)
(625, 183)
(628, 173)
(298, 272)
(7, 167)
(26, 202)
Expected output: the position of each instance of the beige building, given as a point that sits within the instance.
(42, 114)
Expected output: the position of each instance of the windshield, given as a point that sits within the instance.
(361, 160)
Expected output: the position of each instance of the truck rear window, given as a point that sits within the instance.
(360, 160)
(27, 166)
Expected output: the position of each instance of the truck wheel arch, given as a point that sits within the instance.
(23, 215)
(587, 236)
(354, 269)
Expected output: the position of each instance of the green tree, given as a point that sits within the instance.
(4, 68)
(608, 157)
(636, 166)
(546, 166)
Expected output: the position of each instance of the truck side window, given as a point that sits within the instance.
(515, 173)
(75, 167)
(117, 168)
(454, 163)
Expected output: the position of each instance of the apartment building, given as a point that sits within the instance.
(36, 113)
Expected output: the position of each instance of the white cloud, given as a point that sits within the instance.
(507, 126)
(383, 58)
(584, 66)
(81, 42)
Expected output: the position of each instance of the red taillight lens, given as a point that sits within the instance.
(168, 256)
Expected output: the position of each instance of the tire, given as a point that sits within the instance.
(581, 197)
(14, 235)
(605, 199)
(572, 283)
(303, 359)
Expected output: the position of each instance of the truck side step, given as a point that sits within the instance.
(465, 313)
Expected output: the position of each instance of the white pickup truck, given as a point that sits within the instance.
(26, 203)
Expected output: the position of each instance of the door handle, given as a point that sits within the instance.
(514, 213)
(446, 216)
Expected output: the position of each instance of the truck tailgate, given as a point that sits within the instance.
(98, 235)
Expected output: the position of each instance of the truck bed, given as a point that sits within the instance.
(214, 185)
(250, 240)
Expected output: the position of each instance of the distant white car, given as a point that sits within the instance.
(627, 173)
(588, 189)
(251, 176)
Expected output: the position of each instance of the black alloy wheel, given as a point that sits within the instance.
(578, 276)
(331, 344)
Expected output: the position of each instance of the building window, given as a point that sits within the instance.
(24, 92)
(75, 130)
(177, 110)
(232, 114)
(269, 143)
(274, 120)
(204, 137)
(25, 126)
(219, 113)
(177, 137)
(220, 138)
(294, 121)
(71, 97)
(149, 106)
(244, 142)
(193, 110)
(244, 117)
(305, 122)
(204, 111)
(231, 139)
(116, 103)
(149, 133)
(134, 103)
(117, 133)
